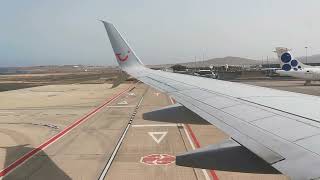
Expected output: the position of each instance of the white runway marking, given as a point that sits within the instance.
(193, 147)
(108, 165)
(123, 103)
(172, 101)
(121, 106)
(205, 173)
(155, 125)
(160, 138)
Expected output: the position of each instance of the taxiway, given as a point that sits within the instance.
(122, 134)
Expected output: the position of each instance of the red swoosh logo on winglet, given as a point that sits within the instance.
(122, 59)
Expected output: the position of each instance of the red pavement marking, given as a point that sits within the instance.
(158, 159)
(196, 142)
(213, 174)
(194, 139)
(53, 139)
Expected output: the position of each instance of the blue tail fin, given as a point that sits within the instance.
(287, 60)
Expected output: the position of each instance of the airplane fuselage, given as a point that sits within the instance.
(308, 73)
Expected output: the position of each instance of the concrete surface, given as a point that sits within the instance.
(29, 117)
(288, 85)
(138, 144)
(78, 155)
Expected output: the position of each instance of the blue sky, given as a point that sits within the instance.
(40, 32)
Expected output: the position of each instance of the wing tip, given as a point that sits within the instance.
(105, 22)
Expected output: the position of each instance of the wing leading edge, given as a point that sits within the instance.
(265, 121)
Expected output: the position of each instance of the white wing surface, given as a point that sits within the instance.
(283, 128)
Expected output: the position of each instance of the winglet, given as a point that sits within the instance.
(126, 57)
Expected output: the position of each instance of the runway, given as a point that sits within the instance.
(147, 138)
(55, 138)
(85, 146)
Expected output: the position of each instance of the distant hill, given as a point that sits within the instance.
(311, 59)
(230, 60)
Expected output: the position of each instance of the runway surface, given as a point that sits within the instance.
(80, 154)
(31, 117)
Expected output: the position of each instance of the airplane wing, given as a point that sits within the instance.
(280, 127)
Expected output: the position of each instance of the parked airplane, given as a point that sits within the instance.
(280, 127)
(290, 66)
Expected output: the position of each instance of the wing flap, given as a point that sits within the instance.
(286, 128)
(231, 126)
(227, 155)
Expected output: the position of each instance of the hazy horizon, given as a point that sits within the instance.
(68, 32)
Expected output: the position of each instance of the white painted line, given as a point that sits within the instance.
(105, 170)
(155, 125)
(122, 103)
(172, 102)
(188, 136)
(160, 138)
(205, 173)
(140, 101)
(114, 153)
(121, 106)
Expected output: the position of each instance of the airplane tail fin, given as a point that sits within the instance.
(126, 57)
(287, 61)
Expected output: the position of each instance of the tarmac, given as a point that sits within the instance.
(90, 131)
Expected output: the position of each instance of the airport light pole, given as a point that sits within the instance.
(195, 64)
(203, 64)
(306, 54)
